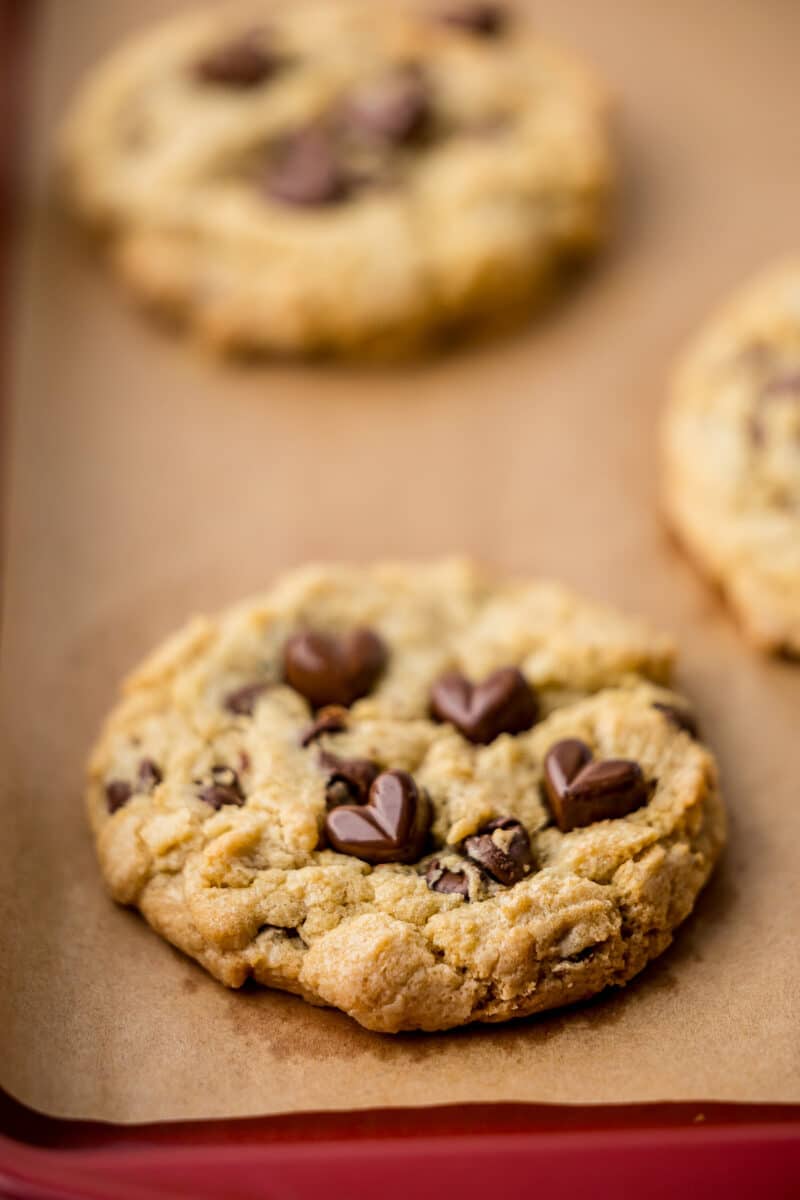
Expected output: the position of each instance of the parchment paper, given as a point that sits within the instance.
(147, 483)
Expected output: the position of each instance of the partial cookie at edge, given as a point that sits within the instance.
(731, 455)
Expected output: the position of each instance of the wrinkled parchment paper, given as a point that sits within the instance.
(145, 483)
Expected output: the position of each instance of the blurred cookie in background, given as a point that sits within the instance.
(337, 177)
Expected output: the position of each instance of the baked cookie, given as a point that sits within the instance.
(410, 792)
(320, 176)
(731, 443)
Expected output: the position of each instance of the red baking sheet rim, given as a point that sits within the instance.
(660, 1150)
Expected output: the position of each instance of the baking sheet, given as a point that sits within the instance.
(145, 482)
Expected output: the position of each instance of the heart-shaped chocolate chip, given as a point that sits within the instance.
(581, 790)
(503, 703)
(503, 849)
(564, 761)
(349, 779)
(331, 669)
(390, 827)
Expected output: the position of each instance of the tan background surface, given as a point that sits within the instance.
(146, 483)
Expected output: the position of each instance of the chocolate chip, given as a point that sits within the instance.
(681, 718)
(785, 383)
(503, 849)
(349, 779)
(581, 791)
(243, 700)
(330, 669)
(503, 703)
(225, 788)
(391, 827)
(781, 385)
(118, 792)
(392, 109)
(306, 171)
(755, 430)
(443, 879)
(582, 955)
(149, 775)
(242, 63)
(217, 796)
(485, 20)
(285, 931)
(338, 792)
(331, 719)
(756, 355)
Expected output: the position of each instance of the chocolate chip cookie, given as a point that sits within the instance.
(337, 176)
(415, 793)
(731, 442)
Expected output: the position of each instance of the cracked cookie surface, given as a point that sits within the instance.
(217, 792)
(731, 444)
(331, 176)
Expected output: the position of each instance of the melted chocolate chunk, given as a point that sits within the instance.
(349, 779)
(332, 719)
(443, 879)
(503, 849)
(225, 788)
